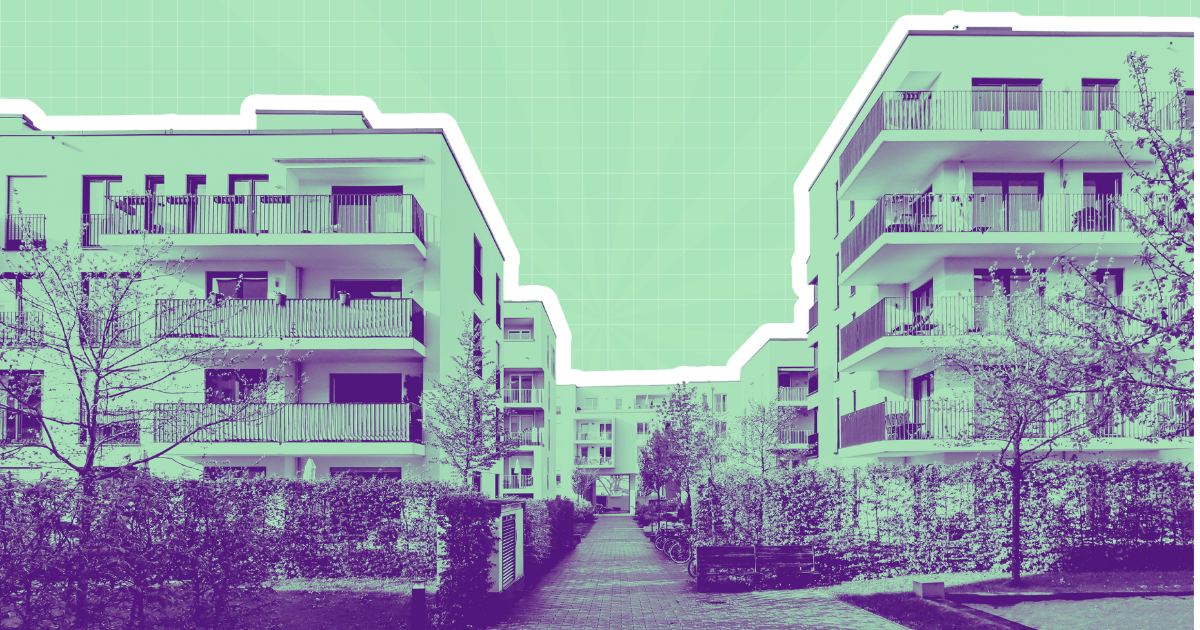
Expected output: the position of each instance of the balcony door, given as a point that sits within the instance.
(521, 425)
(922, 388)
(362, 209)
(1008, 202)
(520, 388)
(1099, 104)
(1098, 212)
(1006, 103)
(28, 204)
(242, 203)
(366, 388)
(231, 386)
(922, 304)
(245, 285)
(22, 399)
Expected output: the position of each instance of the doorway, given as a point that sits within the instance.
(362, 209)
(1008, 202)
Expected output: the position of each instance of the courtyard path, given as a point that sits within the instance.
(616, 580)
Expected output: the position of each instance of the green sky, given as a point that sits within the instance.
(642, 153)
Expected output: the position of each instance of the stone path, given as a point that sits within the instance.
(616, 580)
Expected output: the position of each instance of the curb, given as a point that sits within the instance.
(1007, 599)
(979, 614)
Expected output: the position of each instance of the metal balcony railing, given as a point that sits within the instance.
(534, 396)
(794, 436)
(1022, 109)
(25, 230)
(793, 394)
(990, 213)
(280, 422)
(937, 419)
(513, 482)
(527, 437)
(812, 317)
(20, 428)
(99, 329)
(597, 436)
(258, 214)
(291, 319)
(21, 328)
(593, 461)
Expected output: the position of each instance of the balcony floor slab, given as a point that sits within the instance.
(302, 449)
(400, 249)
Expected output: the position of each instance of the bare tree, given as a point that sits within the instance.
(684, 423)
(583, 481)
(756, 441)
(464, 411)
(101, 349)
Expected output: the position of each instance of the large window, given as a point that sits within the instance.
(368, 289)
(478, 349)
(1006, 103)
(250, 285)
(21, 397)
(366, 388)
(1099, 104)
(499, 319)
(231, 386)
(478, 270)
(96, 188)
(28, 204)
(1008, 202)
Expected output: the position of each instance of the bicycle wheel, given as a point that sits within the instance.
(692, 568)
(683, 551)
(660, 541)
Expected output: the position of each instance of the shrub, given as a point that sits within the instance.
(562, 526)
(585, 513)
(467, 542)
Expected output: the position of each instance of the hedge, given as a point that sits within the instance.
(198, 553)
(884, 520)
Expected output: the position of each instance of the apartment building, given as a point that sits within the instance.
(973, 142)
(362, 251)
(529, 385)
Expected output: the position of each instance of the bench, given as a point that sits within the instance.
(789, 560)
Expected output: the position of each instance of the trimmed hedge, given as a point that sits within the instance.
(199, 553)
(883, 521)
(467, 541)
(549, 534)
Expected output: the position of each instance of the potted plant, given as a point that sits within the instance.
(344, 298)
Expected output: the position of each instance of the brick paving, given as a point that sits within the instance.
(616, 580)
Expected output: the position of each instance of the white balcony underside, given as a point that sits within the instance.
(400, 249)
(301, 449)
(915, 448)
(891, 353)
(897, 158)
(323, 349)
(896, 256)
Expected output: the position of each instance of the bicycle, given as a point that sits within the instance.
(680, 550)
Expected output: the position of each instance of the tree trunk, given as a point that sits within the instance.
(1017, 483)
(87, 482)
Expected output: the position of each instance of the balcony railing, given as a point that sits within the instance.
(99, 330)
(812, 317)
(258, 214)
(513, 482)
(992, 109)
(25, 229)
(813, 381)
(593, 461)
(279, 422)
(534, 396)
(598, 436)
(20, 329)
(793, 394)
(20, 428)
(795, 436)
(936, 419)
(291, 319)
(989, 213)
(527, 437)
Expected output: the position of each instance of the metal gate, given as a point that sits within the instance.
(508, 553)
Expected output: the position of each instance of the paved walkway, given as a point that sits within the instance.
(616, 580)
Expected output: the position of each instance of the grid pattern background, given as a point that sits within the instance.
(642, 154)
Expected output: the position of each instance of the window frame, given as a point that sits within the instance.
(478, 286)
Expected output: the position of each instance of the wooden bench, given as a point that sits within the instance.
(789, 560)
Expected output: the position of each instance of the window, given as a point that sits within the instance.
(214, 472)
(231, 386)
(478, 270)
(704, 401)
(367, 289)
(837, 340)
(28, 204)
(499, 363)
(836, 210)
(370, 388)
(1006, 103)
(837, 288)
(852, 291)
(21, 394)
(1008, 202)
(618, 404)
(558, 411)
(96, 190)
(720, 428)
(719, 403)
(647, 402)
(359, 471)
(477, 334)
(248, 285)
(922, 386)
(12, 293)
(499, 320)
(518, 329)
(1099, 103)
(591, 404)
(643, 428)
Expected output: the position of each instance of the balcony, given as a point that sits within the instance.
(937, 419)
(98, 329)
(812, 317)
(797, 437)
(20, 328)
(1038, 125)
(323, 428)
(594, 462)
(792, 394)
(517, 482)
(902, 235)
(593, 436)
(527, 437)
(20, 429)
(278, 226)
(25, 230)
(394, 327)
(535, 396)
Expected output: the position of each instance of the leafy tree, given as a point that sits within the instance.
(685, 424)
(755, 442)
(653, 472)
(464, 412)
(583, 482)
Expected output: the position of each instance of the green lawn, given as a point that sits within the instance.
(913, 612)
(341, 604)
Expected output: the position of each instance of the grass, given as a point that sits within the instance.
(1111, 581)
(343, 604)
(913, 612)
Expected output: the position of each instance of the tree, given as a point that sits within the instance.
(1023, 386)
(684, 426)
(653, 472)
(755, 442)
(105, 348)
(464, 412)
(583, 482)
